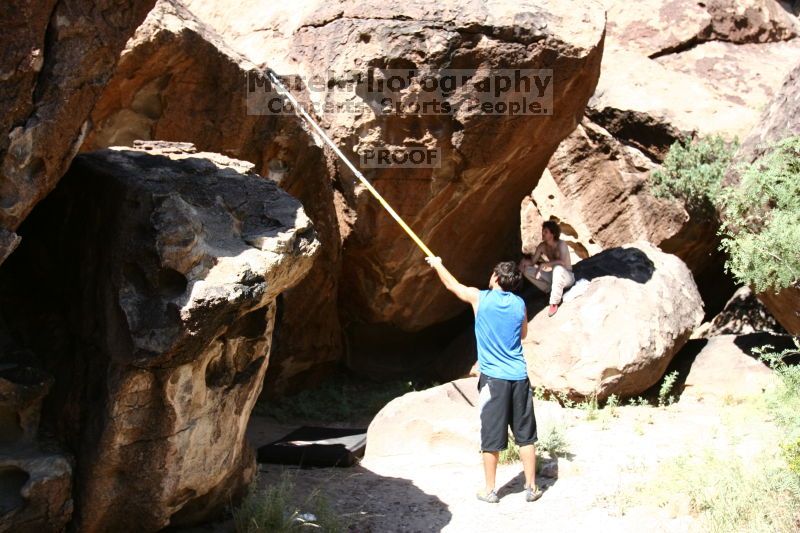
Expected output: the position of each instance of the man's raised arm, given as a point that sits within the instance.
(464, 293)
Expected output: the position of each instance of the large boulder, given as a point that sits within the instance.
(496, 157)
(439, 425)
(724, 371)
(780, 119)
(156, 272)
(743, 314)
(177, 80)
(55, 58)
(370, 276)
(632, 308)
(730, 57)
(596, 188)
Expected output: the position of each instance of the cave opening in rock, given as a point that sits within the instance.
(12, 479)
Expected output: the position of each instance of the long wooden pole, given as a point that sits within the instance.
(273, 78)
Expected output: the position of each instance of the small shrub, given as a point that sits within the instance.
(589, 405)
(539, 393)
(784, 402)
(789, 375)
(693, 171)
(761, 229)
(270, 510)
(637, 402)
(791, 452)
(612, 403)
(664, 397)
(265, 510)
(554, 442)
(565, 400)
(510, 454)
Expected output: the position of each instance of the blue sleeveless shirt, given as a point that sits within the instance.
(498, 329)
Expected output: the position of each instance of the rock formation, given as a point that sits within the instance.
(670, 69)
(369, 275)
(743, 314)
(434, 426)
(56, 57)
(725, 372)
(177, 80)
(35, 474)
(632, 308)
(147, 284)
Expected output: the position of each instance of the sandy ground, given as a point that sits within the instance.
(610, 457)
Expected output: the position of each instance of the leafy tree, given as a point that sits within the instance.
(693, 172)
(761, 228)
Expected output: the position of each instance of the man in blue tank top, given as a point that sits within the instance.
(505, 398)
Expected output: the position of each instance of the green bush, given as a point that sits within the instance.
(784, 402)
(791, 452)
(511, 454)
(761, 232)
(693, 171)
(667, 384)
(554, 442)
(761, 215)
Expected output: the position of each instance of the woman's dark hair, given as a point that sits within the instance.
(552, 226)
(508, 276)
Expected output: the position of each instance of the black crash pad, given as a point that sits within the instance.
(316, 446)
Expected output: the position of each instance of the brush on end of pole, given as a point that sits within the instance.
(272, 76)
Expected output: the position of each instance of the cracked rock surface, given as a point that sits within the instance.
(162, 267)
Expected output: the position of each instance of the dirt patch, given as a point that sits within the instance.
(612, 455)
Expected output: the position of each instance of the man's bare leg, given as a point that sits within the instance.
(528, 455)
(490, 469)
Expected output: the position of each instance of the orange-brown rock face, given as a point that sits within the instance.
(369, 273)
(56, 57)
(463, 209)
(670, 69)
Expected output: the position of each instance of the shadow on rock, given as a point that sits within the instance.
(682, 364)
(763, 340)
(628, 263)
(535, 300)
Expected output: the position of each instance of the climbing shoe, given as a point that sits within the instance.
(491, 497)
(532, 494)
(552, 309)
